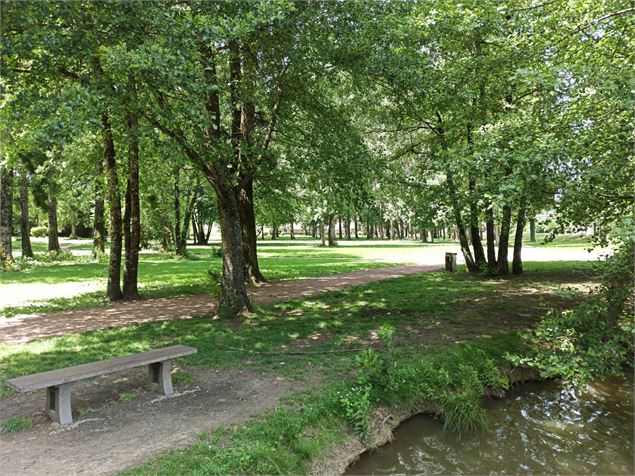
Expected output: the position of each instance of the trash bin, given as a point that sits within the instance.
(450, 262)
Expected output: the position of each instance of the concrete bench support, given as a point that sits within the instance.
(161, 373)
(58, 404)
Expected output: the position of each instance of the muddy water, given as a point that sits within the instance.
(536, 429)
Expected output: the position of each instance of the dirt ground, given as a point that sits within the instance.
(29, 327)
(112, 433)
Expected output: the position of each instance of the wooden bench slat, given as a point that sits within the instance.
(95, 369)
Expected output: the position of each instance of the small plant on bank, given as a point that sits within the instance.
(462, 412)
(357, 404)
(15, 424)
(128, 396)
(181, 376)
(85, 411)
(454, 383)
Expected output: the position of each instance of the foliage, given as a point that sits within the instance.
(462, 412)
(455, 385)
(594, 340)
(356, 404)
(577, 346)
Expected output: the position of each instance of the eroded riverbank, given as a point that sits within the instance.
(535, 429)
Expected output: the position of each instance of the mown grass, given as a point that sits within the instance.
(420, 307)
(163, 275)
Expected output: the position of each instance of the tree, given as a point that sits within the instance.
(6, 215)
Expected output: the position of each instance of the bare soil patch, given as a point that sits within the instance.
(112, 434)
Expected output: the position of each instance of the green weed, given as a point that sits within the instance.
(15, 424)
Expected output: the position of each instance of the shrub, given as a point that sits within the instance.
(62, 255)
(595, 340)
(39, 231)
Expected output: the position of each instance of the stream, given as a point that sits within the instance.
(535, 429)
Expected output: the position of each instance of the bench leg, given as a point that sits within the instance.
(58, 404)
(161, 373)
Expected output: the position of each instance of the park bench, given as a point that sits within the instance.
(58, 382)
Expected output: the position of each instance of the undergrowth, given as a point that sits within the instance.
(286, 439)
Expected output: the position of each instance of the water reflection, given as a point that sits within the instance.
(537, 429)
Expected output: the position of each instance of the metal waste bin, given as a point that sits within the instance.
(450, 262)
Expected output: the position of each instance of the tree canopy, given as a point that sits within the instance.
(158, 120)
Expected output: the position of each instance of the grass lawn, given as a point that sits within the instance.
(446, 326)
(429, 310)
(163, 275)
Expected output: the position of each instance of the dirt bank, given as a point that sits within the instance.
(383, 422)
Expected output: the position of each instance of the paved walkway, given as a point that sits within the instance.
(29, 327)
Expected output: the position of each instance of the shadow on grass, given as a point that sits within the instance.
(427, 310)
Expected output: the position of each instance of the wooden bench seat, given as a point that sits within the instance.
(58, 382)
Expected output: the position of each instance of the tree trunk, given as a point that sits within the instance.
(491, 239)
(331, 231)
(322, 237)
(356, 232)
(25, 228)
(195, 233)
(248, 222)
(502, 267)
(475, 234)
(347, 227)
(465, 247)
(133, 217)
(165, 239)
(339, 226)
(233, 298)
(51, 208)
(99, 227)
(187, 217)
(209, 232)
(517, 262)
(532, 230)
(291, 231)
(177, 215)
(6, 215)
(113, 290)
(99, 220)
